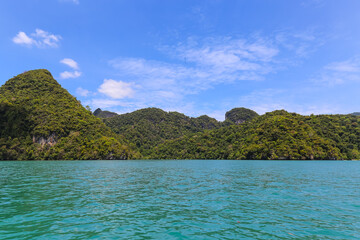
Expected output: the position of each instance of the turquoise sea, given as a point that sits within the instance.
(185, 199)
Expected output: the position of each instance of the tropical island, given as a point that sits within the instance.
(40, 120)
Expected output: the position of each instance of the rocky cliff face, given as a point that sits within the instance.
(50, 140)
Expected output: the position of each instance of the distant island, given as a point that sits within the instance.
(39, 120)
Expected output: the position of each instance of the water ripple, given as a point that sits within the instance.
(179, 200)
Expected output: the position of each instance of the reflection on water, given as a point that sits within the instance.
(180, 200)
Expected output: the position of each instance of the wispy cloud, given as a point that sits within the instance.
(301, 44)
(67, 74)
(197, 65)
(200, 67)
(82, 92)
(349, 66)
(337, 73)
(227, 54)
(267, 100)
(39, 38)
(72, 64)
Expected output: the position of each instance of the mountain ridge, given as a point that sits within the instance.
(272, 136)
(147, 127)
(41, 120)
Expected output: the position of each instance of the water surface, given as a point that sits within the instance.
(197, 199)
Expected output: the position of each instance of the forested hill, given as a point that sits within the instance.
(148, 127)
(243, 135)
(41, 120)
(275, 135)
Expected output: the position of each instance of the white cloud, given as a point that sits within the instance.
(23, 39)
(350, 66)
(116, 89)
(66, 74)
(301, 44)
(205, 63)
(46, 38)
(338, 73)
(201, 64)
(229, 54)
(71, 63)
(39, 38)
(267, 100)
(82, 92)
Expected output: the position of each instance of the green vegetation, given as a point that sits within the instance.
(41, 120)
(275, 135)
(146, 128)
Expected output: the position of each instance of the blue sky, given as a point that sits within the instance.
(194, 57)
